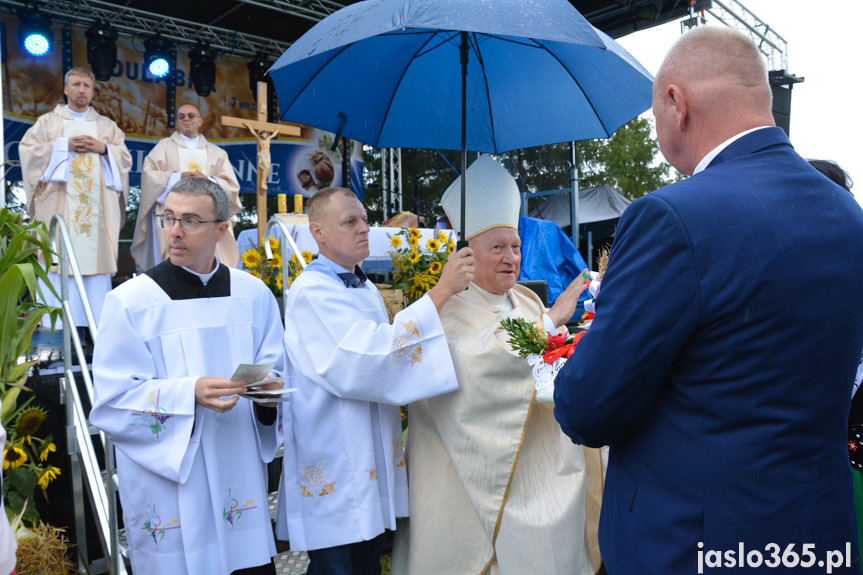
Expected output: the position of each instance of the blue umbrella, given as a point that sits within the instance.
(516, 73)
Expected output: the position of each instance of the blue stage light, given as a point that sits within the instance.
(34, 32)
(159, 67)
(37, 44)
(158, 56)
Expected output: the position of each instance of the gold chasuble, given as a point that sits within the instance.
(495, 486)
(171, 157)
(94, 212)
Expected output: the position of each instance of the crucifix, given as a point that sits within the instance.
(263, 132)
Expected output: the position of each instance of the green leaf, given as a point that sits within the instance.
(10, 400)
(16, 501)
(23, 479)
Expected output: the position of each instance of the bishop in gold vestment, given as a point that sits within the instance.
(495, 486)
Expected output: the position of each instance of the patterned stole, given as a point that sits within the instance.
(84, 197)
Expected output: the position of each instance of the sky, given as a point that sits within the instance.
(823, 47)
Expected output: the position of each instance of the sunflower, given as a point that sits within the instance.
(413, 242)
(414, 256)
(28, 423)
(294, 260)
(50, 447)
(255, 273)
(433, 245)
(13, 457)
(279, 285)
(449, 250)
(276, 262)
(442, 237)
(251, 259)
(435, 267)
(414, 233)
(395, 241)
(50, 475)
(274, 243)
(308, 256)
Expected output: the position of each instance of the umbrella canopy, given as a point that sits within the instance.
(388, 73)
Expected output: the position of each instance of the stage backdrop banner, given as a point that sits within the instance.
(136, 101)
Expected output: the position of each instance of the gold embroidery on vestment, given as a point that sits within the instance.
(399, 451)
(403, 345)
(314, 476)
(328, 488)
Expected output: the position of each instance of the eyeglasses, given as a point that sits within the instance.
(189, 115)
(187, 224)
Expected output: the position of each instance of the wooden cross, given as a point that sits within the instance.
(263, 132)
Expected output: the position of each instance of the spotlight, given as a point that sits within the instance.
(258, 73)
(157, 56)
(34, 32)
(102, 50)
(202, 69)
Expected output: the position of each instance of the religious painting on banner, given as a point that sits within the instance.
(137, 102)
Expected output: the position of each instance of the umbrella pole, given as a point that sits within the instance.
(463, 49)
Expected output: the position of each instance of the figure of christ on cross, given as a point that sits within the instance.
(263, 132)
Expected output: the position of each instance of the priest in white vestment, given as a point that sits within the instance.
(74, 162)
(185, 154)
(191, 453)
(495, 486)
(344, 478)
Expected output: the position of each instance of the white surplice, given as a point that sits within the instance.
(344, 478)
(192, 481)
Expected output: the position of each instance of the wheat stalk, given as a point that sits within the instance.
(602, 262)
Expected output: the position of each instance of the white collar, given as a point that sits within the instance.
(80, 116)
(205, 278)
(501, 302)
(190, 142)
(705, 161)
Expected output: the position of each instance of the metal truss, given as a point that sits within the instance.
(391, 185)
(139, 23)
(735, 15)
(313, 10)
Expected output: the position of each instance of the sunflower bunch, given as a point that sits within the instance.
(417, 268)
(25, 461)
(270, 271)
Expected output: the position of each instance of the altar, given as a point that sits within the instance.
(378, 262)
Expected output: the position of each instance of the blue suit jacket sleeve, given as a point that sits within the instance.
(648, 306)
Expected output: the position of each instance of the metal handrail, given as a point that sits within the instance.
(78, 440)
(283, 250)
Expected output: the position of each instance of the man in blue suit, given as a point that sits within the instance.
(727, 334)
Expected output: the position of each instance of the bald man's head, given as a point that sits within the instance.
(189, 120)
(721, 77)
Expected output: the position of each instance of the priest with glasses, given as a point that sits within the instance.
(191, 453)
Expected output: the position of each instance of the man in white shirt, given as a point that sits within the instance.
(344, 478)
(74, 162)
(185, 154)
